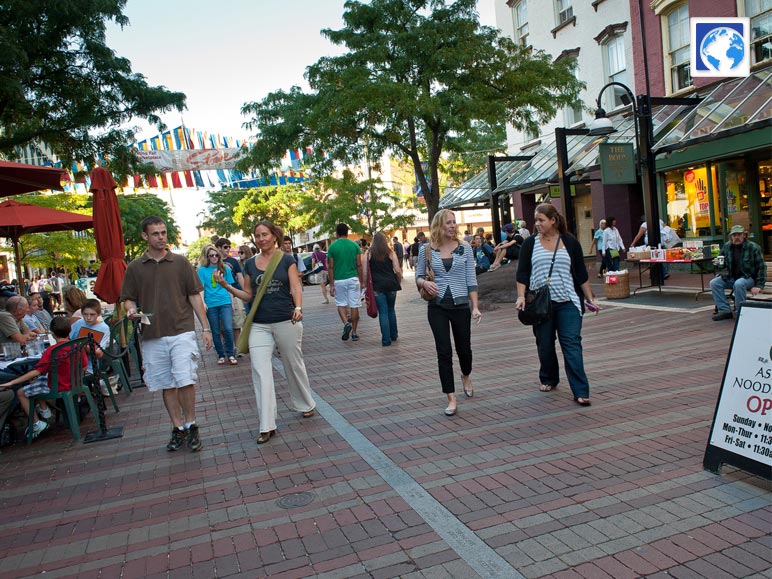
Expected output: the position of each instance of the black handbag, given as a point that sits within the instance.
(538, 302)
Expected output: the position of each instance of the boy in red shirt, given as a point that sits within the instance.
(60, 328)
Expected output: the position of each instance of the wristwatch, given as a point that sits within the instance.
(299, 309)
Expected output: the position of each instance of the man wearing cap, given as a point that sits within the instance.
(745, 270)
(509, 248)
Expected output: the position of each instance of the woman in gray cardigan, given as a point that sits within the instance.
(455, 300)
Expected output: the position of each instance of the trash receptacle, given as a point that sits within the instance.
(617, 286)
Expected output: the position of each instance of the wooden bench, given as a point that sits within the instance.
(766, 293)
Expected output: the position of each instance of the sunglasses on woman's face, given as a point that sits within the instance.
(211, 255)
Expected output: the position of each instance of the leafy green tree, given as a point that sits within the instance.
(365, 205)
(67, 249)
(218, 215)
(236, 211)
(469, 155)
(415, 74)
(61, 84)
(195, 249)
(134, 208)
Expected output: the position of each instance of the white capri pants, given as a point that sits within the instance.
(289, 338)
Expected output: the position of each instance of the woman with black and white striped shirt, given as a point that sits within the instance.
(569, 292)
(455, 302)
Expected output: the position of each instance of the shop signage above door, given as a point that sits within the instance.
(741, 434)
(617, 163)
(555, 191)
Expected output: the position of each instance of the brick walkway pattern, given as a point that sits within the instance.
(614, 490)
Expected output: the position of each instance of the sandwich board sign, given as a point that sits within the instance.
(741, 433)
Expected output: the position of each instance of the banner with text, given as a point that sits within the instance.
(191, 160)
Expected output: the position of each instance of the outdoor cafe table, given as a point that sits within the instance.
(702, 264)
(19, 366)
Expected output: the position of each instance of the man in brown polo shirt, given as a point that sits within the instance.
(165, 285)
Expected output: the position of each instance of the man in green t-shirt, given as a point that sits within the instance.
(344, 266)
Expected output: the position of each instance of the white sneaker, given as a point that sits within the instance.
(38, 428)
(44, 413)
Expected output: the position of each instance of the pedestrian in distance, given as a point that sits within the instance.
(612, 245)
(597, 247)
(455, 301)
(286, 247)
(383, 266)
(509, 248)
(219, 305)
(223, 245)
(319, 258)
(169, 348)
(569, 292)
(278, 322)
(745, 272)
(344, 265)
(399, 250)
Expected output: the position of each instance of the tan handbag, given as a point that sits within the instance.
(429, 276)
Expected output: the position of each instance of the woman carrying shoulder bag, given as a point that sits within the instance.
(454, 302)
(383, 266)
(612, 244)
(276, 320)
(552, 247)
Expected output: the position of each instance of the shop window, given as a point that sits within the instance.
(676, 35)
(520, 21)
(765, 202)
(615, 71)
(760, 13)
(690, 209)
(731, 178)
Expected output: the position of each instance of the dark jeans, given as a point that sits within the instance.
(216, 315)
(442, 321)
(387, 317)
(566, 322)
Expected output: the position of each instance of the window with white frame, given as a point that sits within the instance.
(572, 114)
(760, 13)
(615, 70)
(564, 10)
(678, 49)
(520, 20)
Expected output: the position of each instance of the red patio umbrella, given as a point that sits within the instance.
(17, 178)
(17, 219)
(108, 234)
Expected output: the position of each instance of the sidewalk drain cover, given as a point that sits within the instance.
(295, 500)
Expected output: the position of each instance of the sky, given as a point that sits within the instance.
(223, 54)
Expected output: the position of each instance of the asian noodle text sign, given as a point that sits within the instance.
(742, 426)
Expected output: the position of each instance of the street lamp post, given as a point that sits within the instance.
(561, 148)
(645, 166)
(493, 184)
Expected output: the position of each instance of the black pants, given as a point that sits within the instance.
(443, 321)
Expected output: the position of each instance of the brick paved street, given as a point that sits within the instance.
(519, 483)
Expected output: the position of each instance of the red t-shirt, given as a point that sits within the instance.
(62, 366)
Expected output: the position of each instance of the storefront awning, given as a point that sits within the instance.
(476, 191)
(735, 106)
(542, 169)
